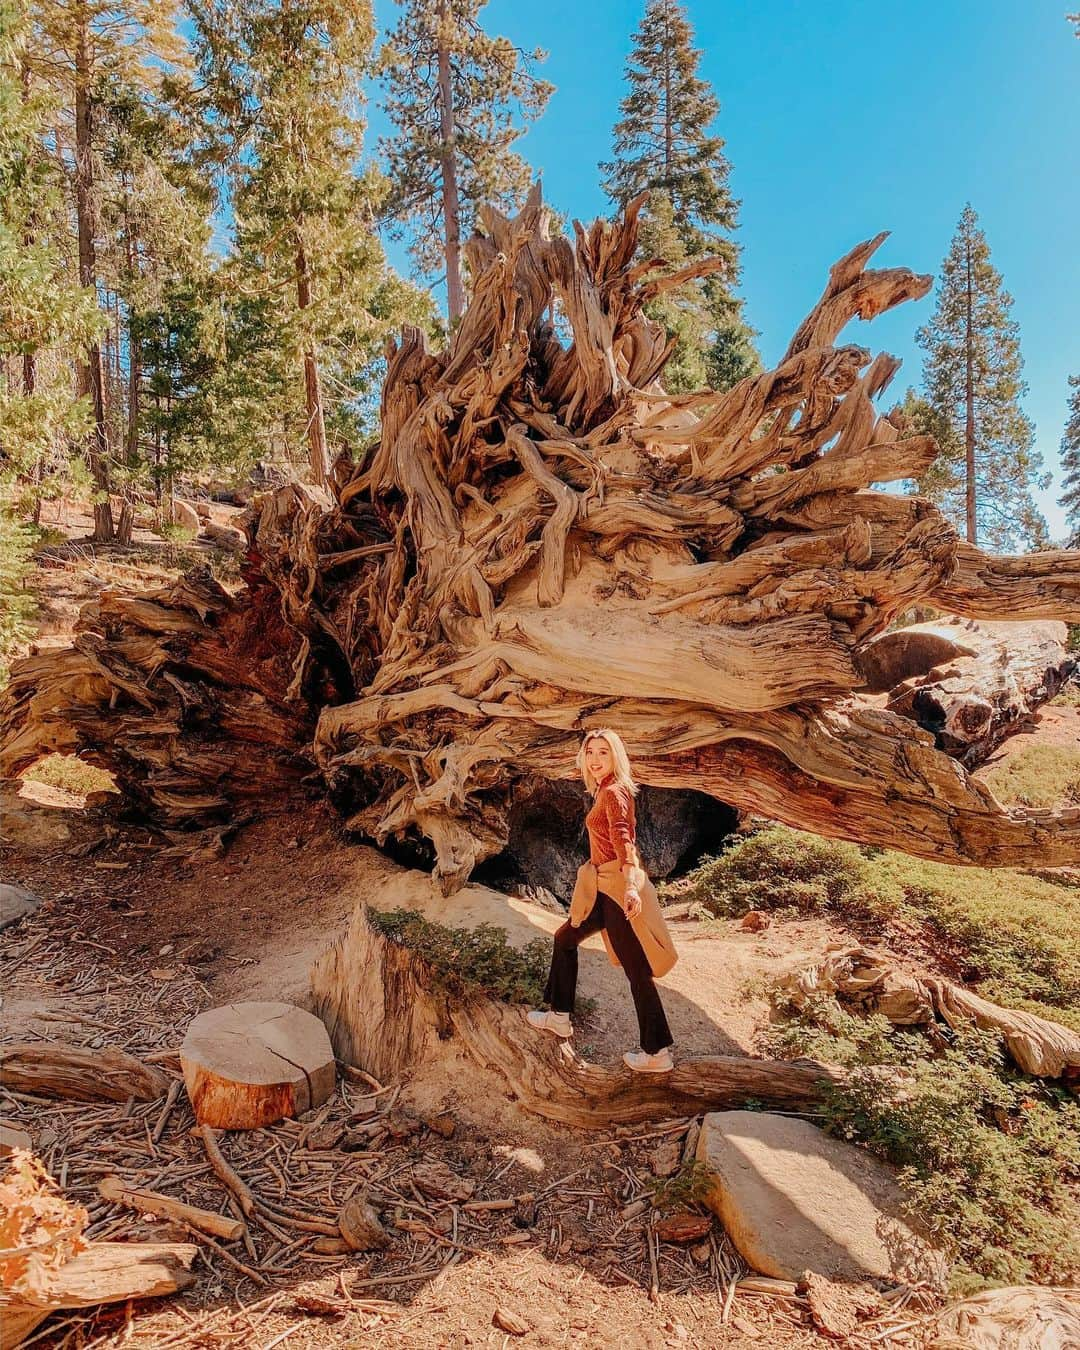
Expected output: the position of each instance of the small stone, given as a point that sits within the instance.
(755, 921)
(837, 1309)
(666, 1159)
(360, 1225)
(444, 1124)
(438, 1181)
(166, 950)
(11, 1138)
(16, 902)
(683, 1226)
(506, 1319)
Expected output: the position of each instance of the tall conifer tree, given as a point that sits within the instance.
(973, 381)
(458, 99)
(664, 143)
(80, 45)
(284, 83)
(1070, 464)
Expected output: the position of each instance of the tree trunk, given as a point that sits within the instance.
(970, 509)
(543, 542)
(90, 370)
(318, 453)
(970, 684)
(451, 204)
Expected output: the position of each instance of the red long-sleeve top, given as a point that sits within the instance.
(612, 826)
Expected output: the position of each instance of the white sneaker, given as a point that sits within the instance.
(558, 1023)
(641, 1062)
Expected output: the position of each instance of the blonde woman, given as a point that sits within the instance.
(614, 897)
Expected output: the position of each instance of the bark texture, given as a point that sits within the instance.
(387, 1011)
(544, 541)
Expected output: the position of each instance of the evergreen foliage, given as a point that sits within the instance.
(973, 380)
(315, 299)
(458, 99)
(1070, 464)
(663, 144)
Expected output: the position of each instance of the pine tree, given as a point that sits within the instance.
(973, 380)
(663, 144)
(42, 308)
(458, 99)
(283, 80)
(78, 47)
(1070, 463)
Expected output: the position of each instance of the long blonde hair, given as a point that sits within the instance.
(620, 760)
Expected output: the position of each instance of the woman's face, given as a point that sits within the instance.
(598, 759)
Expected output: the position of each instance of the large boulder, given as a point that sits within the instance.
(548, 842)
(794, 1199)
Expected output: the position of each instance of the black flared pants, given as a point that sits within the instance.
(562, 982)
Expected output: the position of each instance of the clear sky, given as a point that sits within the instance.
(843, 118)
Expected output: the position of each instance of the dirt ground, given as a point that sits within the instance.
(130, 943)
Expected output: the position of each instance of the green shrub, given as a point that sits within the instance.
(17, 604)
(990, 1162)
(688, 1186)
(1040, 775)
(1015, 935)
(464, 960)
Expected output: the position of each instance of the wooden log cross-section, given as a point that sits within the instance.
(250, 1064)
(545, 540)
(385, 1010)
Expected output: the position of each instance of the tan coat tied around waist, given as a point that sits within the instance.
(648, 926)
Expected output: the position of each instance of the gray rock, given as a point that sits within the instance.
(794, 1199)
(16, 902)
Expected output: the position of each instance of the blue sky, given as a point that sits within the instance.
(843, 118)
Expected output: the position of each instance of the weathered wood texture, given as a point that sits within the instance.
(871, 982)
(544, 540)
(249, 1064)
(77, 1073)
(387, 1013)
(970, 682)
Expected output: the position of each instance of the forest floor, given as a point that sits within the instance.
(130, 943)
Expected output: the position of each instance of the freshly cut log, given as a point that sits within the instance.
(47, 1069)
(980, 682)
(870, 982)
(545, 541)
(114, 1190)
(387, 1013)
(249, 1064)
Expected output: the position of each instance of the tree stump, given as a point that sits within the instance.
(389, 1014)
(249, 1064)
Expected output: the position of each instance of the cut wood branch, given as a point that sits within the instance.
(116, 1192)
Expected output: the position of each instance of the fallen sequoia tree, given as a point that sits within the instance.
(544, 540)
